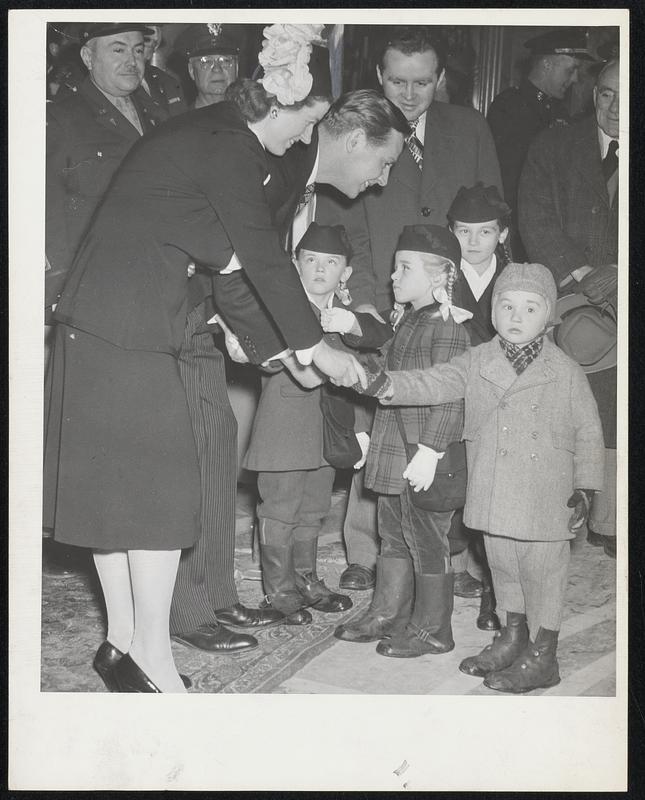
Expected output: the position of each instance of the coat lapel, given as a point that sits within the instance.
(587, 161)
(496, 368)
(106, 114)
(438, 148)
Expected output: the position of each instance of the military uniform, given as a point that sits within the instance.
(515, 118)
(87, 139)
(165, 90)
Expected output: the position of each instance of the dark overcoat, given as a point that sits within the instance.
(87, 139)
(192, 191)
(567, 221)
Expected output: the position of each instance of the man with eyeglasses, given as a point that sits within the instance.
(213, 59)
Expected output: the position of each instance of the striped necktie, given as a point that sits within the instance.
(414, 145)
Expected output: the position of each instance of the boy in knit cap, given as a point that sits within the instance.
(535, 451)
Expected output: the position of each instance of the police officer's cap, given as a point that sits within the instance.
(111, 28)
(206, 40)
(561, 41)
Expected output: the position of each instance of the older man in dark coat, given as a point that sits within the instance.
(90, 129)
(568, 213)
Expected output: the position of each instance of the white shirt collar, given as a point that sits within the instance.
(314, 171)
(604, 142)
(478, 283)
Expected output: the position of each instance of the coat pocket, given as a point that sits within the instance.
(564, 439)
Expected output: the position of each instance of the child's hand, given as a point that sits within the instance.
(338, 320)
(580, 500)
(363, 439)
(421, 470)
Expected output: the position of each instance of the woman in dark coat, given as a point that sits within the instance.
(121, 473)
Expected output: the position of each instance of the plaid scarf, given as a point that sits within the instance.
(521, 356)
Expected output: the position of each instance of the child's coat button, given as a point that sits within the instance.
(503, 451)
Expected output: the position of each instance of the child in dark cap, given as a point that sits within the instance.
(535, 450)
(286, 447)
(479, 218)
(412, 605)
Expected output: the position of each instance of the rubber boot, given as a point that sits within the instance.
(391, 604)
(311, 587)
(429, 629)
(535, 668)
(506, 646)
(279, 578)
(487, 620)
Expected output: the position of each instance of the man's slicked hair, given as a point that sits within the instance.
(368, 110)
(412, 40)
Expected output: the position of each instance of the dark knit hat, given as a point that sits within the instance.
(94, 31)
(561, 41)
(326, 239)
(528, 278)
(206, 39)
(431, 239)
(478, 203)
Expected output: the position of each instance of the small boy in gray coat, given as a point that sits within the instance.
(535, 450)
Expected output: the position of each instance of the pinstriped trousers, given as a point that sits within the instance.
(205, 579)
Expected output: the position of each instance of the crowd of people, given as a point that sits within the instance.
(411, 307)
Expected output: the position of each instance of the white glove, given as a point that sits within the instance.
(364, 441)
(421, 470)
(337, 320)
(234, 349)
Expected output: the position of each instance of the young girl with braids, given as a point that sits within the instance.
(411, 608)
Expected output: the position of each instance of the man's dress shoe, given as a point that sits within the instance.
(217, 639)
(239, 616)
(466, 585)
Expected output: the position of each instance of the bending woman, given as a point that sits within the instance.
(121, 473)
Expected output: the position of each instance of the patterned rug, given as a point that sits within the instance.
(73, 627)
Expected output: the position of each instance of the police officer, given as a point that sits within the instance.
(213, 61)
(519, 113)
(90, 128)
(163, 87)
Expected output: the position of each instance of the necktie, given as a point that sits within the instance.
(306, 197)
(126, 107)
(414, 146)
(610, 161)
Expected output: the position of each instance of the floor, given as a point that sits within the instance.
(586, 652)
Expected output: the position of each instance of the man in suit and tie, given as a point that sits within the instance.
(450, 146)
(568, 216)
(90, 129)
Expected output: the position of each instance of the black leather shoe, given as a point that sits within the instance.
(239, 616)
(217, 639)
(107, 657)
(129, 677)
(318, 596)
(609, 546)
(487, 620)
(596, 539)
(466, 585)
(358, 578)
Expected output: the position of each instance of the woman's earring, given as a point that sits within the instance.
(342, 293)
(273, 113)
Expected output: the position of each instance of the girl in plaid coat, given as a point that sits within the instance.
(413, 600)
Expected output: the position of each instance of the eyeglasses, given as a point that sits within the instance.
(223, 62)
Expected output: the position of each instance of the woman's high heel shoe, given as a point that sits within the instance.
(108, 658)
(131, 678)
